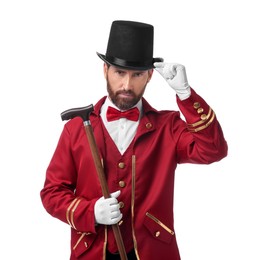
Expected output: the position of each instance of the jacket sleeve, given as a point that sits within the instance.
(58, 194)
(202, 141)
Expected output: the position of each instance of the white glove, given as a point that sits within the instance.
(107, 211)
(175, 75)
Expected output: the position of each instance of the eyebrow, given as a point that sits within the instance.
(125, 70)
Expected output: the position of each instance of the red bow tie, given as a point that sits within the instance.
(114, 114)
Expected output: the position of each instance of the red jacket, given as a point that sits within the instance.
(144, 174)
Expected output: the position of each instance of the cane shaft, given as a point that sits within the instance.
(104, 187)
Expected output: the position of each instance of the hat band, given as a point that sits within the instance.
(124, 63)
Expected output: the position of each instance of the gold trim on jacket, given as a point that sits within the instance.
(133, 205)
(205, 121)
(70, 212)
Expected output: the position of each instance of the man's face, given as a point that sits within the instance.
(126, 87)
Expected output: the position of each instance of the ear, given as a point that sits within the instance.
(150, 74)
(105, 69)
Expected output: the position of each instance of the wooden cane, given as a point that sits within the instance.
(84, 113)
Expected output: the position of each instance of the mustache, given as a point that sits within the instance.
(125, 92)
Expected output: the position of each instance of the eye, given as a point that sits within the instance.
(138, 74)
(120, 72)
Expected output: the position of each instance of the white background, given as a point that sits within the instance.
(48, 64)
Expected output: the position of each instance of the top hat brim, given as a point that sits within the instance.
(130, 65)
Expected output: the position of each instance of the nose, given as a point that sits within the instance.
(127, 82)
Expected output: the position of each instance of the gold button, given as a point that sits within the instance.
(121, 165)
(158, 233)
(121, 184)
(200, 110)
(196, 105)
(120, 222)
(203, 117)
(149, 125)
(121, 204)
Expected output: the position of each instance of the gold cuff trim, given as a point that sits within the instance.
(70, 212)
(80, 238)
(203, 117)
(203, 126)
(159, 223)
(205, 121)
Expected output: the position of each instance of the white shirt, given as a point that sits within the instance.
(122, 131)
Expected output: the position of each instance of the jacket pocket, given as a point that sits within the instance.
(158, 229)
(82, 242)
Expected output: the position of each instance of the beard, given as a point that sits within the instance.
(124, 103)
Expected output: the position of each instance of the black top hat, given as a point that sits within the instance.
(130, 46)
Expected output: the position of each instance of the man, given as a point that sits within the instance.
(139, 153)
